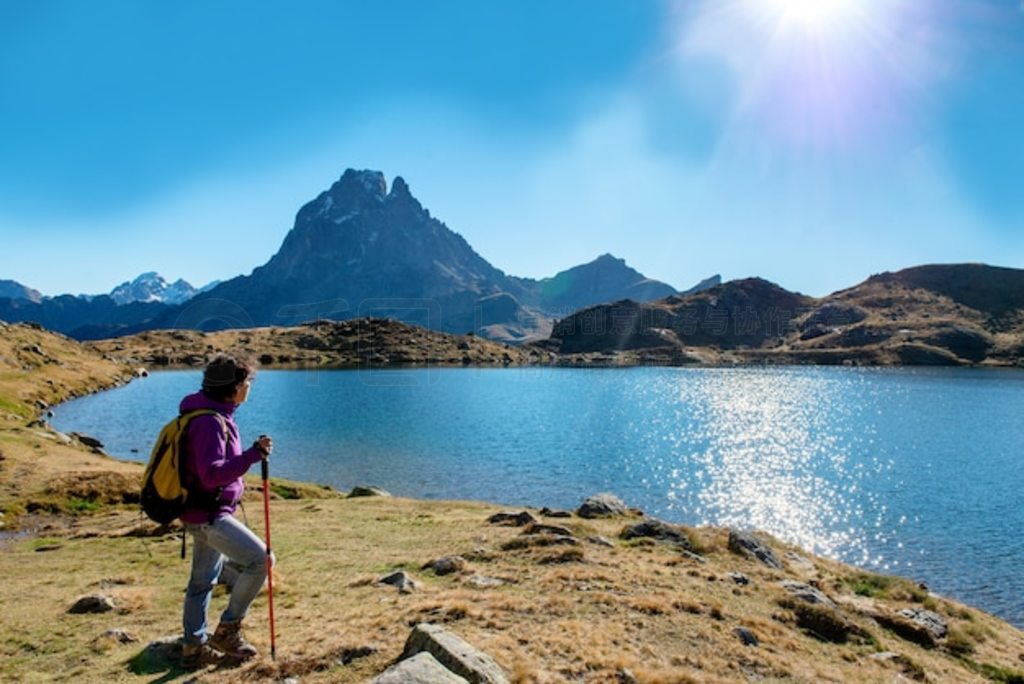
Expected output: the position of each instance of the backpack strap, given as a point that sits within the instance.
(204, 499)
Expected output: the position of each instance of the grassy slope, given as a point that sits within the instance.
(640, 606)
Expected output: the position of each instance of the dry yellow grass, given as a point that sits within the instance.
(598, 614)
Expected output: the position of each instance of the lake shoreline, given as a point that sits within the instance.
(523, 625)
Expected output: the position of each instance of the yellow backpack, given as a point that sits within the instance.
(164, 493)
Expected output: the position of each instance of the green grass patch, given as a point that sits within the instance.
(870, 584)
(15, 407)
(83, 506)
(995, 673)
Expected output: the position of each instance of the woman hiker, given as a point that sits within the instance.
(215, 465)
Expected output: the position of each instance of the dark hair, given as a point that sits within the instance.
(224, 373)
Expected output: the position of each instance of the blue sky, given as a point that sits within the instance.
(810, 142)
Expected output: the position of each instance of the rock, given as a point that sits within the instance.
(401, 580)
(833, 315)
(350, 655)
(932, 622)
(907, 629)
(908, 667)
(94, 603)
(602, 506)
(739, 578)
(626, 676)
(552, 513)
(513, 519)
(446, 565)
(601, 541)
(806, 592)
(366, 490)
(422, 668)
(746, 636)
(484, 582)
(745, 543)
(826, 623)
(141, 373)
(87, 440)
(539, 528)
(117, 636)
(656, 529)
(454, 653)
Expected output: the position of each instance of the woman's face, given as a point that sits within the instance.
(241, 392)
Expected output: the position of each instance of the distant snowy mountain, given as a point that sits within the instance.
(15, 290)
(151, 287)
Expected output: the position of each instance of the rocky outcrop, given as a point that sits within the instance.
(455, 654)
(747, 544)
(602, 506)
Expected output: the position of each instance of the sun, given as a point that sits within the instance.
(813, 16)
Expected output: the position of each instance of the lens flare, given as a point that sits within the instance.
(818, 16)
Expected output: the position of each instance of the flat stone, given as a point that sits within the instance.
(421, 668)
(484, 582)
(94, 603)
(602, 506)
(601, 541)
(513, 519)
(745, 543)
(367, 490)
(117, 635)
(540, 528)
(454, 653)
(805, 592)
(746, 636)
(350, 655)
(401, 580)
(555, 513)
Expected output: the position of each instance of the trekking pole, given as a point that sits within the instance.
(270, 564)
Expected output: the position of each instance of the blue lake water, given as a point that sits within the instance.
(916, 472)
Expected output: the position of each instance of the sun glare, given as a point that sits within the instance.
(819, 16)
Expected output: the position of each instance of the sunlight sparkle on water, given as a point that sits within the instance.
(767, 456)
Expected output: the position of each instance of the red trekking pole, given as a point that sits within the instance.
(270, 564)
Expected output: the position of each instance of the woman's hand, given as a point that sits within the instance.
(265, 444)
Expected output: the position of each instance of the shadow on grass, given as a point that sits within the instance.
(163, 658)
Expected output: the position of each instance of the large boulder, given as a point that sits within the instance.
(805, 592)
(602, 506)
(454, 653)
(928, 620)
(421, 668)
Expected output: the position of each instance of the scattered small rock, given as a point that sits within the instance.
(484, 582)
(739, 578)
(656, 529)
(446, 565)
(367, 490)
(601, 541)
(806, 592)
(602, 506)
(401, 580)
(539, 528)
(93, 603)
(930, 621)
(454, 653)
(746, 636)
(87, 440)
(421, 668)
(746, 543)
(693, 556)
(513, 519)
(626, 676)
(555, 513)
(117, 636)
(349, 655)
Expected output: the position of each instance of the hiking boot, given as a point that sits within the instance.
(228, 639)
(195, 656)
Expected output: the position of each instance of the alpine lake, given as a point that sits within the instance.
(915, 472)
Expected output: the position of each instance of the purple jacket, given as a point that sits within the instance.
(213, 461)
